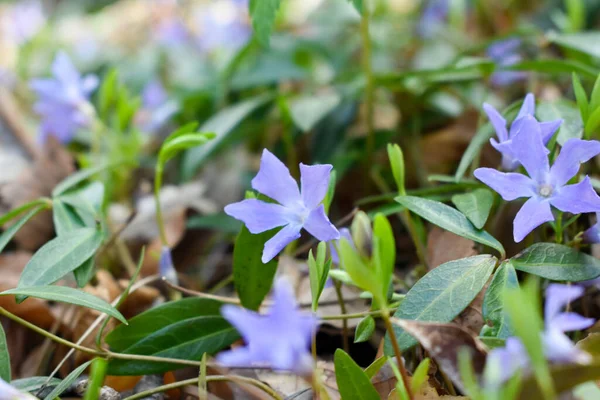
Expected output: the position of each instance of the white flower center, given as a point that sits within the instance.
(545, 190)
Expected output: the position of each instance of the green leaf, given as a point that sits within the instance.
(60, 256)
(252, 278)
(557, 262)
(318, 270)
(107, 93)
(8, 234)
(397, 163)
(364, 329)
(565, 377)
(420, 375)
(263, 14)
(475, 205)
(67, 382)
(219, 222)
(4, 357)
(572, 126)
(184, 329)
(581, 97)
(34, 383)
(361, 275)
(384, 254)
(585, 42)
(221, 124)
(15, 212)
(358, 4)
(553, 66)
(442, 294)
(96, 379)
(308, 110)
(65, 218)
(450, 219)
(493, 301)
(375, 366)
(78, 177)
(353, 383)
(69, 295)
(182, 142)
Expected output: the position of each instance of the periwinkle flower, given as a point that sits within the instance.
(166, 269)
(63, 100)
(504, 142)
(592, 234)
(545, 186)
(280, 339)
(23, 21)
(296, 209)
(156, 108)
(223, 24)
(434, 15)
(9, 392)
(503, 362)
(505, 53)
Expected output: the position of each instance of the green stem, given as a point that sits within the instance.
(214, 378)
(377, 313)
(558, 228)
(159, 217)
(345, 333)
(370, 84)
(388, 325)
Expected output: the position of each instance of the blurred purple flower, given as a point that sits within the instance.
(23, 21)
(223, 24)
(280, 339)
(63, 100)
(172, 32)
(9, 392)
(297, 209)
(434, 15)
(166, 269)
(545, 186)
(156, 108)
(505, 54)
(592, 235)
(504, 143)
(503, 362)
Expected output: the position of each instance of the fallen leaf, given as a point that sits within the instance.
(444, 246)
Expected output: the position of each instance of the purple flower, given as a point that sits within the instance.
(166, 269)
(9, 392)
(63, 100)
(592, 234)
(156, 108)
(23, 21)
(297, 209)
(505, 53)
(558, 347)
(280, 339)
(504, 143)
(503, 362)
(172, 31)
(434, 15)
(344, 233)
(223, 23)
(545, 186)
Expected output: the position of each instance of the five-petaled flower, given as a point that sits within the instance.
(503, 362)
(504, 142)
(63, 101)
(280, 339)
(545, 186)
(297, 209)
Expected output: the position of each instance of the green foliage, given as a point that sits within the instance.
(442, 294)
(306, 111)
(572, 127)
(263, 14)
(420, 375)
(450, 219)
(183, 329)
(252, 278)
(397, 163)
(352, 381)
(364, 329)
(5, 373)
(557, 262)
(68, 295)
(67, 382)
(318, 271)
(475, 205)
(8, 234)
(493, 309)
(34, 383)
(97, 375)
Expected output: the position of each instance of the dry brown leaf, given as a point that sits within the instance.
(444, 246)
(471, 318)
(443, 341)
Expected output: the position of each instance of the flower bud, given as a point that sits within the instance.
(165, 266)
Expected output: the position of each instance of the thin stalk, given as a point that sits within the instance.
(388, 325)
(415, 238)
(159, 217)
(370, 84)
(558, 228)
(345, 333)
(214, 378)
(377, 313)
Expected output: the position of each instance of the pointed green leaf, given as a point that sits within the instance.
(67, 382)
(475, 205)
(442, 294)
(493, 301)
(352, 381)
(557, 262)
(4, 357)
(69, 295)
(60, 256)
(34, 383)
(78, 177)
(364, 329)
(581, 97)
(450, 219)
(183, 329)
(8, 234)
(263, 14)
